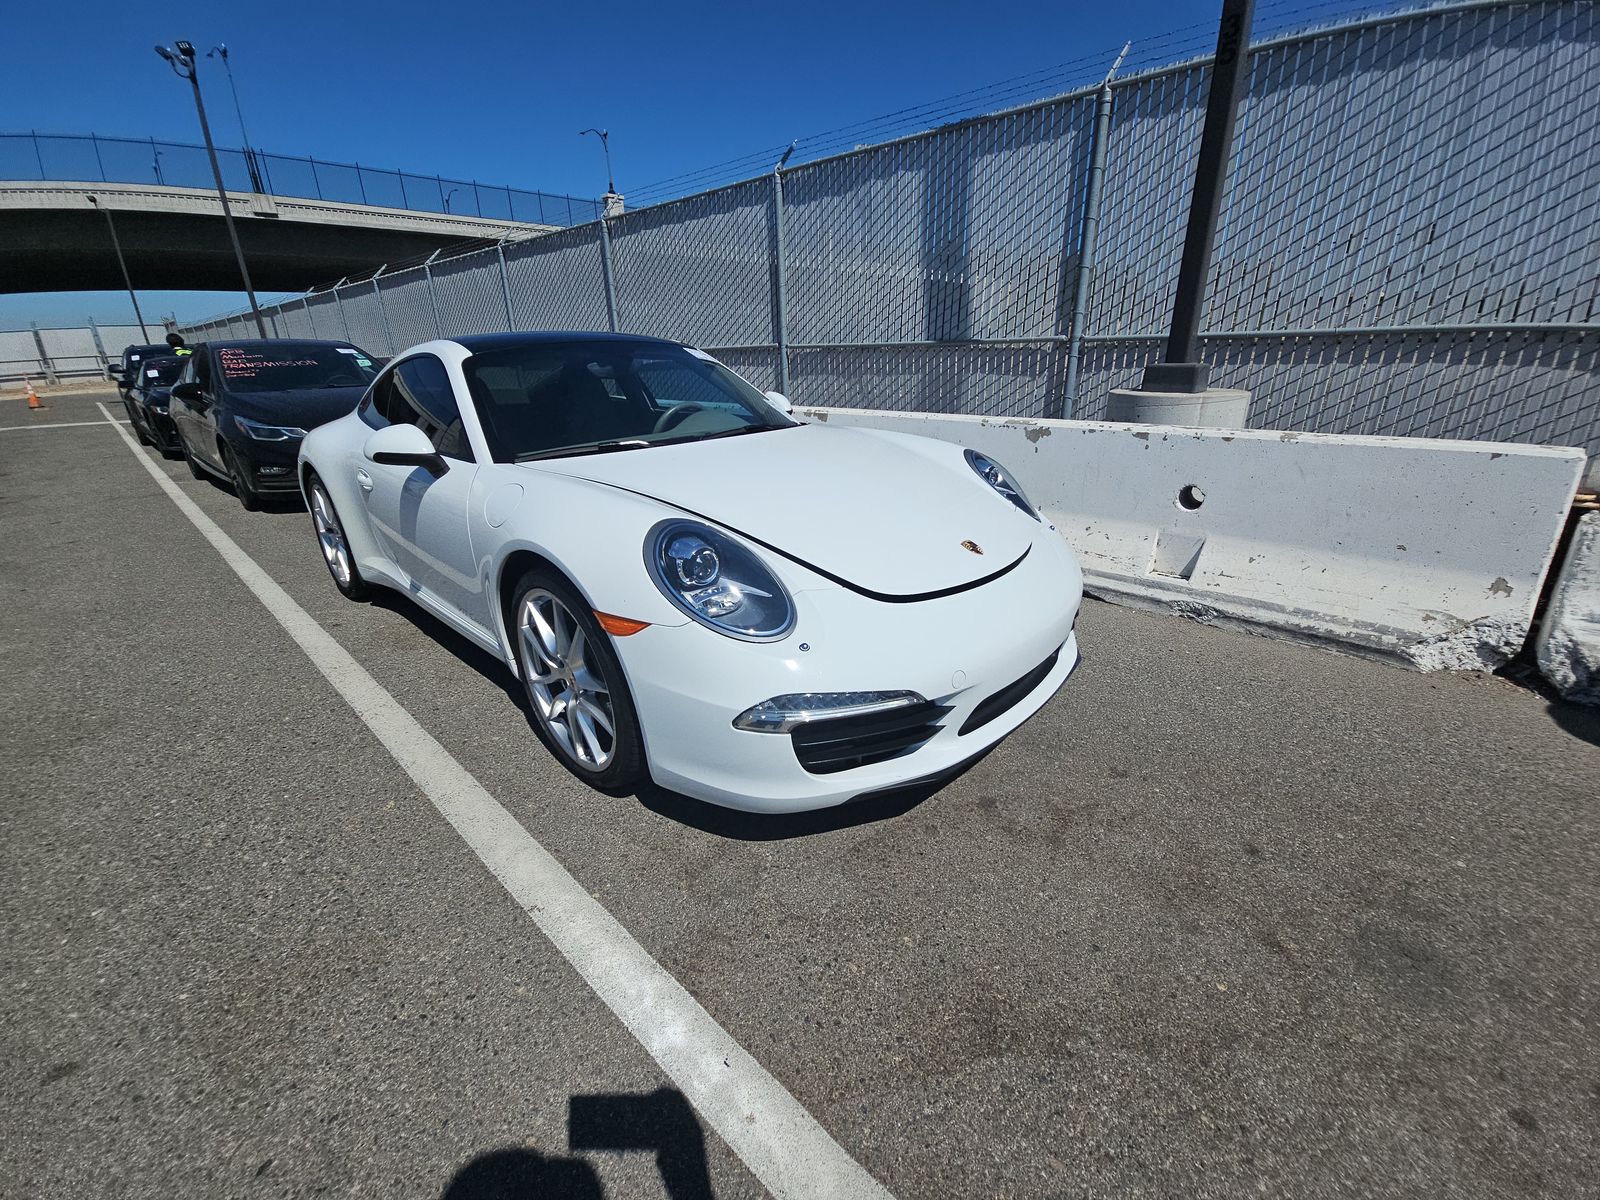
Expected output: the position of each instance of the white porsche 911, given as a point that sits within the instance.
(761, 612)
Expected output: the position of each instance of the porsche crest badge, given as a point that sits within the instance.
(969, 544)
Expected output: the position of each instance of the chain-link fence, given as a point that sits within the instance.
(53, 354)
(1407, 246)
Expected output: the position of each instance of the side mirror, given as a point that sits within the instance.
(188, 390)
(404, 446)
(780, 402)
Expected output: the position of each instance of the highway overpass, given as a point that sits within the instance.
(53, 239)
(302, 221)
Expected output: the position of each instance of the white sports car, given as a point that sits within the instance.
(693, 585)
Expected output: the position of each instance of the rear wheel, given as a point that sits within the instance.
(334, 545)
(242, 487)
(575, 685)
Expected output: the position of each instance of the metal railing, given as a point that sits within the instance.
(95, 159)
(53, 354)
(1406, 246)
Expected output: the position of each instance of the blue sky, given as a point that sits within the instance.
(498, 90)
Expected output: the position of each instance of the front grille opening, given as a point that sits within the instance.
(842, 743)
(1008, 696)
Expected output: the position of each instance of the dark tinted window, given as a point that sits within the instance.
(135, 354)
(288, 366)
(422, 386)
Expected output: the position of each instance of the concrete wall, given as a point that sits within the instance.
(1427, 552)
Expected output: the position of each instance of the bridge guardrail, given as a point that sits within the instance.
(95, 159)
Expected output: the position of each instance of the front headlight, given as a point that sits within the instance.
(267, 433)
(1000, 480)
(717, 581)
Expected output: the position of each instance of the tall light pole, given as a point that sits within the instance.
(221, 51)
(605, 144)
(180, 58)
(121, 262)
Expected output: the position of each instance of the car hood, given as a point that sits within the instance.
(885, 513)
(305, 408)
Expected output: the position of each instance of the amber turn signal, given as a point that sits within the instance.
(619, 626)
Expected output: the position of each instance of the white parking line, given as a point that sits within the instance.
(782, 1144)
(65, 424)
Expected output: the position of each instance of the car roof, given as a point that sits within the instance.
(504, 341)
(253, 343)
(142, 349)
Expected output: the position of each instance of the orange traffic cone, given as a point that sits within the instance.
(33, 396)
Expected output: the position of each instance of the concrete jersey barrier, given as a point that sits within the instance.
(1568, 645)
(1427, 552)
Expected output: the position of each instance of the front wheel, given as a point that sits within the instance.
(195, 469)
(334, 545)
(237, 475)
(575, 685)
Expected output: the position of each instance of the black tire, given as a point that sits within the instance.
(627, 768)
(356, 588)
(248, 496)
(195, 469)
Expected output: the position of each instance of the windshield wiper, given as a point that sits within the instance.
(579, 451)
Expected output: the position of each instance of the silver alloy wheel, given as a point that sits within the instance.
(572, 697)
(335, 550)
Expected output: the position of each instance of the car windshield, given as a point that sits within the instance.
(135, 354)
(158, 372)
(556, 399)
(292, 366)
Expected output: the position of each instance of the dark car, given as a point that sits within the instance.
(123, 376)
(147, 399)
(241, 408)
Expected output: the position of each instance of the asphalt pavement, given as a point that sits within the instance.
(1230, 916)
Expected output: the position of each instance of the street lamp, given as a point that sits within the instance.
(221, 51)
(121, 262)
(447, 196)
(605, 144)
(180, 57)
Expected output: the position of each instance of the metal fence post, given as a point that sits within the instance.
(605, 271)
(433, 295)
(338, 303)
(383, 311)
(311, 317)
(48, 367)
(1100, 135)
(780, 309)
(99, 346)
(505, 283)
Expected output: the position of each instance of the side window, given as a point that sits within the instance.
(202, 369)
(381, 405)
(422, 386)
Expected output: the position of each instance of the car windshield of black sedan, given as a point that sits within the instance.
(559, 399)
(159, 372)
(293, 366)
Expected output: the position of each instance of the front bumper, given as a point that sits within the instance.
(689, 683)
(271, 465)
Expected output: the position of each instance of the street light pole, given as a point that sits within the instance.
(1180, 369)
(605, 144)
(116, 245)
(221, 51)
(181, 60)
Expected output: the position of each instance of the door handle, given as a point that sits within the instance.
(364, 480)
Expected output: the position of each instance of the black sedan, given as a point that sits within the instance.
(125, 375)
(241, 408)
(146, 401)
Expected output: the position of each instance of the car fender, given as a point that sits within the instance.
(331, 450)
(602, 556)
